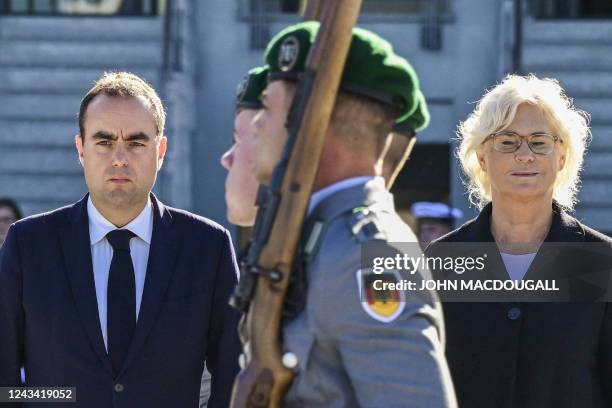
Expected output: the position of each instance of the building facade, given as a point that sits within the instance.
(195, 53)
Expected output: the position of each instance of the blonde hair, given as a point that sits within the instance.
(497, 109)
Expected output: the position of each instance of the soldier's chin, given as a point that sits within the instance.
(241, 217)
(262, 175)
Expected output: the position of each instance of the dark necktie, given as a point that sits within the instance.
(121, 298)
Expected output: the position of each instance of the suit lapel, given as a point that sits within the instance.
(76, 249)
(160, 267)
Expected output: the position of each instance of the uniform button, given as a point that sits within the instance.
(119, 387)
(514, 313)
(290, 360)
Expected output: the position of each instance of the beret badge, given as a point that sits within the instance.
(288, 53)
(241, 88)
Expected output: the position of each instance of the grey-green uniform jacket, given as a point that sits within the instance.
(346, 357)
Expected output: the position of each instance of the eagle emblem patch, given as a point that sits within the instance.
(377, 299)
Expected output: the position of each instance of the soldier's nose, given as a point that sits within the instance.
(227, 159)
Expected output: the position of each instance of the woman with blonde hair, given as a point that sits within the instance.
(522, 152)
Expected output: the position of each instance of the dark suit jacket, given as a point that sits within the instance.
(530, 355)
(49, 317)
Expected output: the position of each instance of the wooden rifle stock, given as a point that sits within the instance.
(314, 10)
(264, 379)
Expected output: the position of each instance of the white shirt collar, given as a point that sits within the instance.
(99, 226)
(325, 192)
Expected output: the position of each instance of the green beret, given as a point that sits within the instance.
(250, 89)
(417, 121)
(372, 68)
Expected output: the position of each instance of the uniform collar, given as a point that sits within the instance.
(366, 192)
(99, 226)
(325, 192)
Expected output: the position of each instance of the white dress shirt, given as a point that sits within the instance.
(102, 255)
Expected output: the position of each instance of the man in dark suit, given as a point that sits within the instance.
(119, 295)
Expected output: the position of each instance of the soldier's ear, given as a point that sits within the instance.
(78, 141)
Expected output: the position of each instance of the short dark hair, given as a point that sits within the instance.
(364, 122)
(122, 85)
(12, 205)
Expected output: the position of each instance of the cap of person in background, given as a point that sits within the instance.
(433, 220)
(9, 213)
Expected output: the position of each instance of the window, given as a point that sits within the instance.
(571, 9)
(388, 7)
(88, 7)
(431, 14)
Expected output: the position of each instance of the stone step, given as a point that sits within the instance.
(542, 57)
(600, 109)
(38, 133)
(596, 192)
(598, 164)
(582, 83)
(601, 137)
(40, 186)
(597, 218)
(60, 80)
(31, 206)
(81, 28)
(31, 160)
(38, 106)
(111, 55)
(567, 32)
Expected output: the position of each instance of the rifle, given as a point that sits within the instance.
(314, 10)
(266, 270)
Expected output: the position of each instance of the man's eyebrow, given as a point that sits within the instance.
(102, 135)
(138, 136)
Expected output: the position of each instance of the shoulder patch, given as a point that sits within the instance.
(377, 299)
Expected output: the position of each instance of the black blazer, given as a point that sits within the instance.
(49, 317)
(530, 355)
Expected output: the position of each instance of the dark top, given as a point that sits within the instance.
(530, 355)
(49, 319)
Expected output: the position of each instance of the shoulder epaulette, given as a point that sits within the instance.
(365, 224)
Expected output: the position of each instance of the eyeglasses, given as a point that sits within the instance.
(510, 142)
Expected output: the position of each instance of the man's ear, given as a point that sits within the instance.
(163, 148)
(78, 141)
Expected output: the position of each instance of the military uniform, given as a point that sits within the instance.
(346, 357)
(349, 350)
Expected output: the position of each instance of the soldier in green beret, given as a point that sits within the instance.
(240, 184)
(350, 346)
